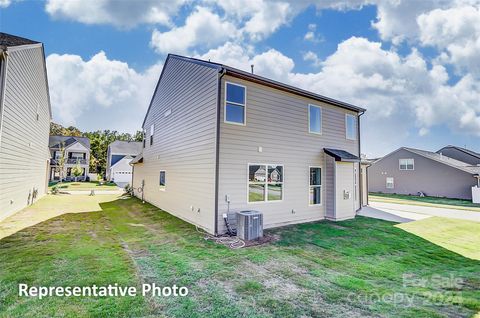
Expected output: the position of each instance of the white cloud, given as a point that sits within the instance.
(99, 92)
(5, 3)
(312, 57)
(123, 14)
(202, 28)
(456, 31)
(271, 63)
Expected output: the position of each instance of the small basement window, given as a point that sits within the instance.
(235, 104)
(406, 164)
(389, 183)
(162, 183)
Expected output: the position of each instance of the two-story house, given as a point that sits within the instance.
(72, 151)
(25, 116)
(220, 140)
(119, 155)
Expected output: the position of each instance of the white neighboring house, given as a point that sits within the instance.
(76, 151)
(25, 116)
(119, 155)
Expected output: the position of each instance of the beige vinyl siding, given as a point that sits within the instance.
(330, 187)
(278, 122)
(24, 140)
(184, 143)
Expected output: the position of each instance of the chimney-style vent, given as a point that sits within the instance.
(251, 66)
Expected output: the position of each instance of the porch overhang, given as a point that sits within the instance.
(137, 159)
(341, 155)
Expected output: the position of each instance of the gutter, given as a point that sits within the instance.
(3, 83)
(360, 165)
(221, 72)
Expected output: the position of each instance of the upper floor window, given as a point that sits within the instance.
(235, 103)
(152, 130)
(351, 127)
(314, 119)
(406, 164)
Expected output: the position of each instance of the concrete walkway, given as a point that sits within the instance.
(406, 212)
(393, 216)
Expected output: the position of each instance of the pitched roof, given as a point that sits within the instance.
(54, 141)
(257, 79)
(125, 147)
(341, 155)
(465, 150)
(445, 160)
(13, 40)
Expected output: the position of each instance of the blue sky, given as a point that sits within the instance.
(414, 66)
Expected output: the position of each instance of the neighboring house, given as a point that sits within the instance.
(25, 116)
(210, 129)
(119, 155)
(410, 171)
(76, 151)
(461, 154)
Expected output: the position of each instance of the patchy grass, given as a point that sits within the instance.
(460, 236)
(458, 204)
(343, 269)
(85, 186)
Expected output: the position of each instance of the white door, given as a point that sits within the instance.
(122, 176)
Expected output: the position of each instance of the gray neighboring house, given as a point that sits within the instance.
(25, 116)
(410, 171)
(76, 151)
(461, 154)
(219, 140)
(119, 155)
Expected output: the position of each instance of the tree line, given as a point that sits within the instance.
(99, 141)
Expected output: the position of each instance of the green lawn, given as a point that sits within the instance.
(84, 186)
(321, 269)
(458, 204)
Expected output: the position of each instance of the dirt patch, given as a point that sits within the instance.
(266, 239)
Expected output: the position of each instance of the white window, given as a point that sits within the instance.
(314, 119)
(163, 180)
(406, 164)
(235, 104)
(389, 183)
(152, 131)
(265, 183)
(350, 127)
(315, 189)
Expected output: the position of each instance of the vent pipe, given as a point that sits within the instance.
(251, 66)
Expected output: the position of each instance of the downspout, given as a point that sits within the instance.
(360, 164)
(217, 146)
(3, 83)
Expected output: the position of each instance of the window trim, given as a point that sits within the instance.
(386, 183)
(266, 183)
(406, 165)
(346, 126)
(309, 186)
(164, 187)
(321, 120)
(233, 103)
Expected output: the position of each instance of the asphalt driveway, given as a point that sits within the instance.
(405, 212)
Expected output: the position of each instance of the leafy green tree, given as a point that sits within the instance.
(77, 171)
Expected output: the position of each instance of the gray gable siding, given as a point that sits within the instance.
(428, 176)
(23, 139)
(184, 143)
(277, 121)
